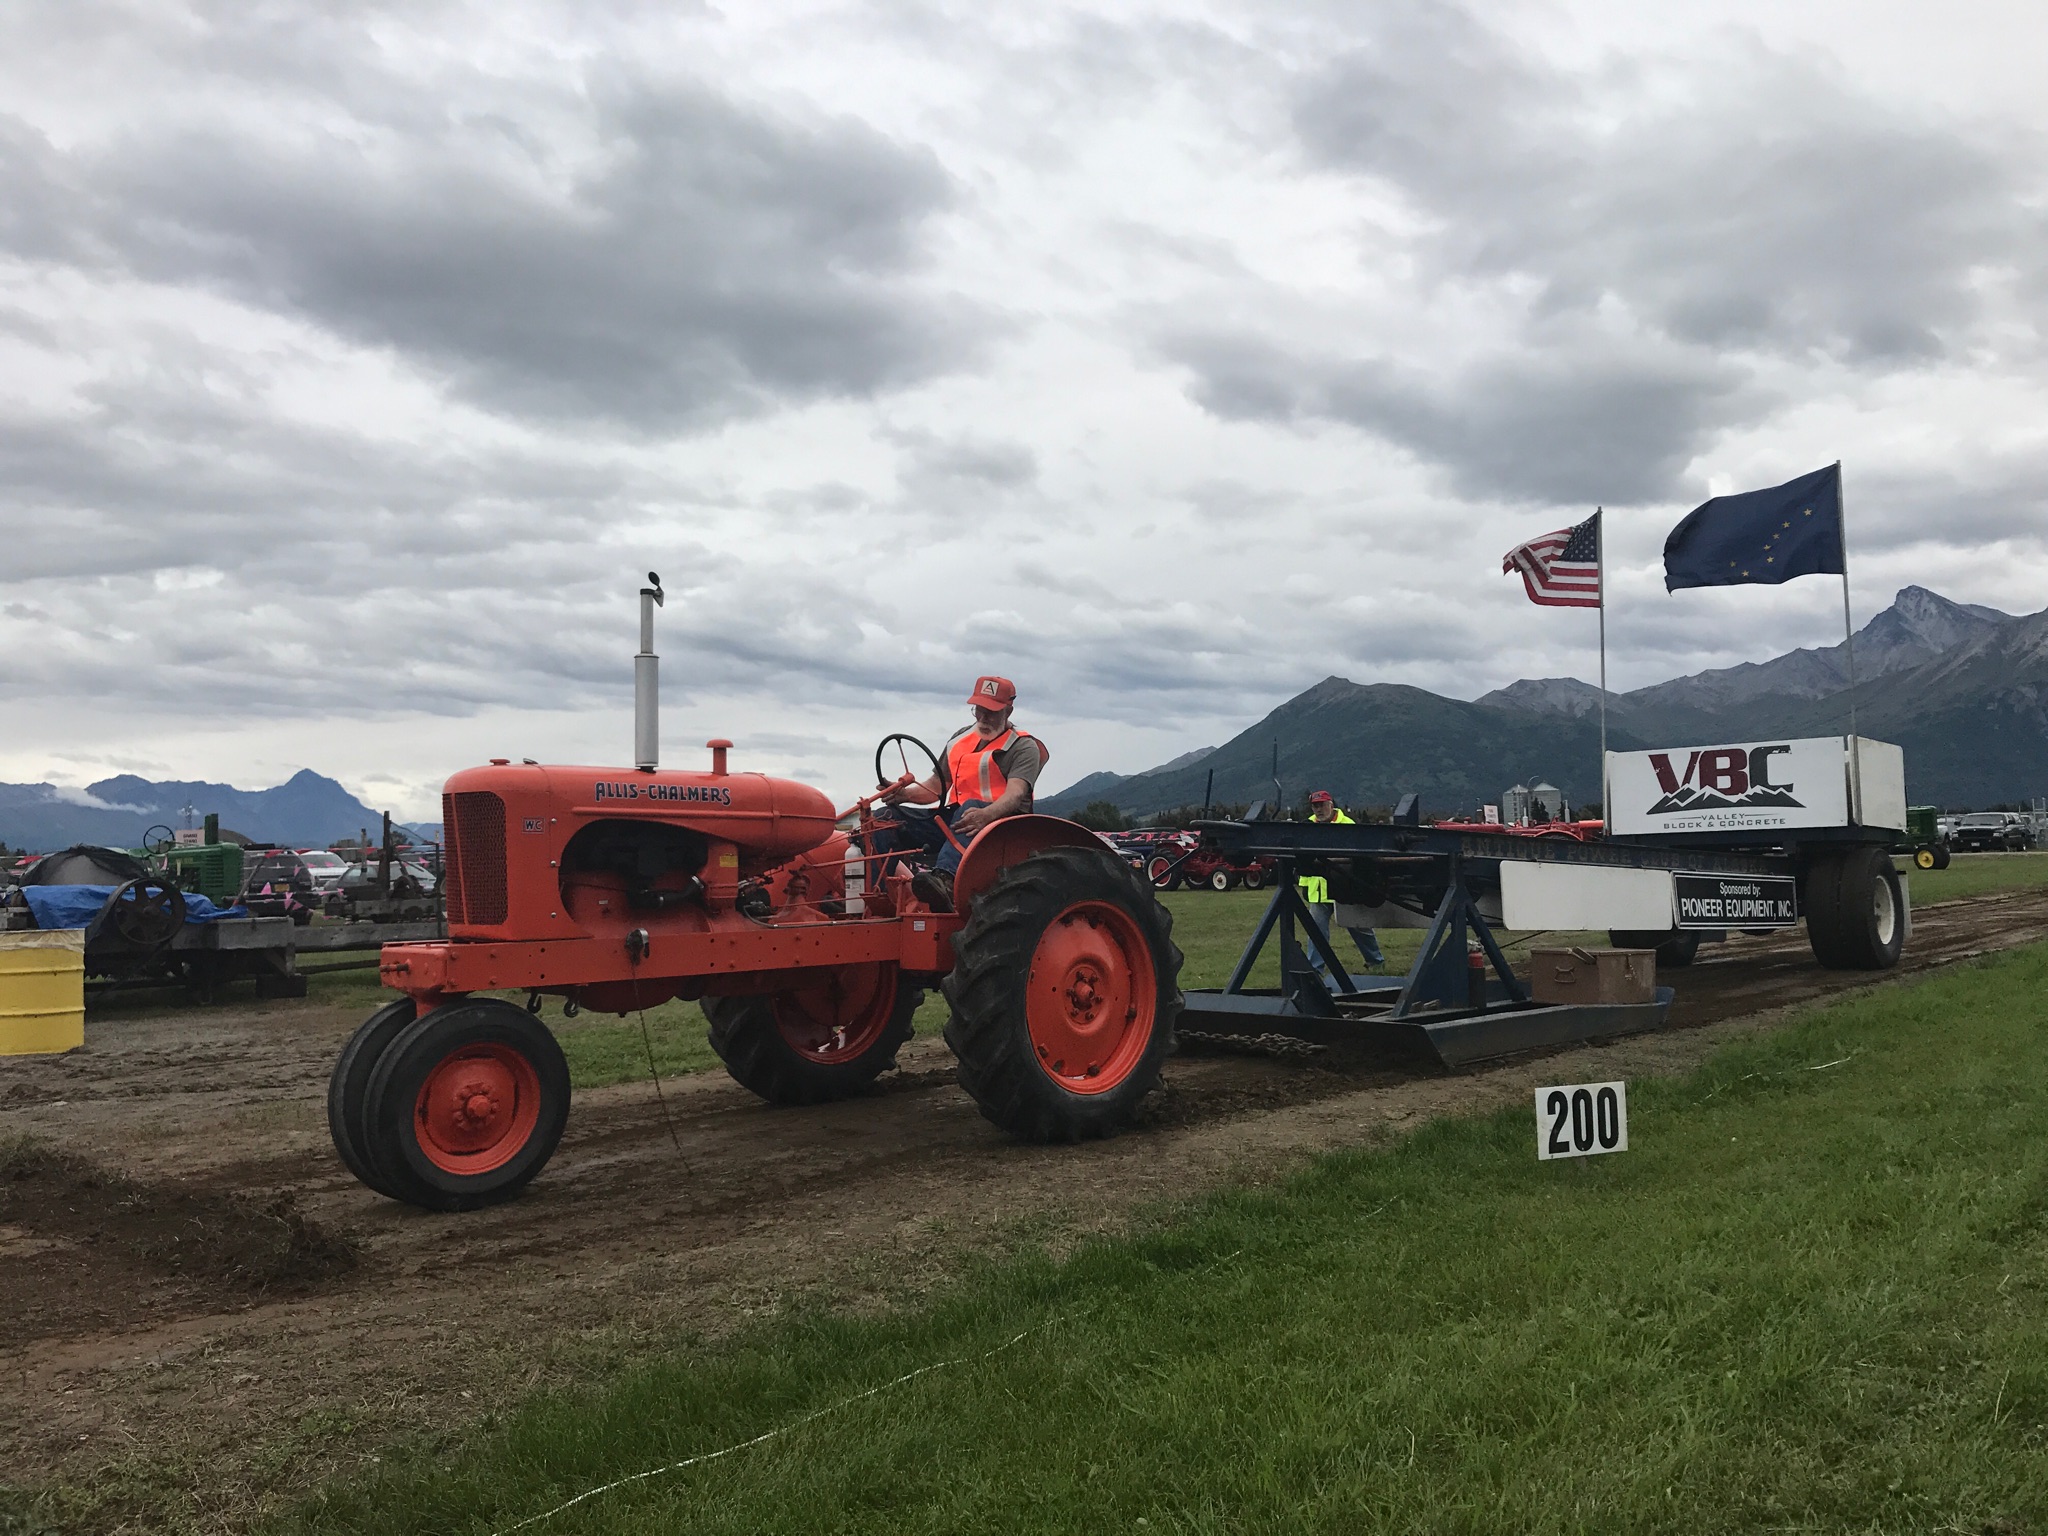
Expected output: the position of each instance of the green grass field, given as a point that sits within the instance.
(1976, 874)
(1813, 1296)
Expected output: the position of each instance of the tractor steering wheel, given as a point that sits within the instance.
(151, 843)
(898, 745)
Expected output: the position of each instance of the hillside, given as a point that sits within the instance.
(306, 810)
(1370, 743)
(1963, 688)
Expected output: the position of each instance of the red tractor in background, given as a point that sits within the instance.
(618, 889)
(1171, 859)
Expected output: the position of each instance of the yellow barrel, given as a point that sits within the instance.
(42, 991)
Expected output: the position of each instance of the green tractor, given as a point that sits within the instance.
(212, 869)
(1923, 842)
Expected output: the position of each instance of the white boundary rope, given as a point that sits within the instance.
(818, 1413)
(794, 1424)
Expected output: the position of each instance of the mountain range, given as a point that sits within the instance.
(307, 810)
(1962, 688)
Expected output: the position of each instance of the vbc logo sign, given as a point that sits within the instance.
(1718, 778)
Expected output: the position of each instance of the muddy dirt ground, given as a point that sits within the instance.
(205, 1314)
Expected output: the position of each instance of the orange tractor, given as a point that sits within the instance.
(618, 889)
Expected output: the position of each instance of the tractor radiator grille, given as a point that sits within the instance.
(476, 857)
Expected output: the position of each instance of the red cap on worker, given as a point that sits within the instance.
(993, 693)
(1319, 797)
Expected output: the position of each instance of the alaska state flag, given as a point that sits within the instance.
(1794, 529)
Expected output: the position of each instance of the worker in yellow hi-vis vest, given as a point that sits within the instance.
(1315, 891)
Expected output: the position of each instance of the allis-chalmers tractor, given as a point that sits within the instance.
(617, 889)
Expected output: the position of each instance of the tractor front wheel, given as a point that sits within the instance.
(348, 1087)
(819, 1043)
(1164, 874)
(464, 1106)
(1064, 993)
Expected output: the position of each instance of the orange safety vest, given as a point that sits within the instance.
(971, 765)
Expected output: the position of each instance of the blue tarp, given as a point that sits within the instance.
(75, 906)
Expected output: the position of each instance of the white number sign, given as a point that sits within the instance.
(1581, 1119)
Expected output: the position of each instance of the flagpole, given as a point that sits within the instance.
(1849, 647)
(1600, 560)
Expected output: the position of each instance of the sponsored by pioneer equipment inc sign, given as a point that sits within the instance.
(1737, 787)
(1736, 901)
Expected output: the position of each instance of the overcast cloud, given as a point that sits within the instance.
(355, 362)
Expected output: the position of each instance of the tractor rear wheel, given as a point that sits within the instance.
(1941, 855)
(1064, 994)
(1855, 910)
(465, 1106)
(820, 1043)
(348, 1086)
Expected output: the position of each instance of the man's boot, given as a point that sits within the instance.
(933, 887)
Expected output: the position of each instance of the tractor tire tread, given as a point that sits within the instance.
(985, 991)
(348, 1086)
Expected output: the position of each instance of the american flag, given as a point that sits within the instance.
(1561, 569)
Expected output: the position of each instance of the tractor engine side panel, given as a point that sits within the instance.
(508, 830)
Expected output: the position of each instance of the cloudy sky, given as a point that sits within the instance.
(355, 361)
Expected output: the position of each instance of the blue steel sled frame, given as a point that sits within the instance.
(1450, 1007)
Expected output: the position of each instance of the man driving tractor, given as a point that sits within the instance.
(985, 773)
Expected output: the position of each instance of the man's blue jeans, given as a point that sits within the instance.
(1368, 942)
(918, 831)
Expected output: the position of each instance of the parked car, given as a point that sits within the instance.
(326, 867)
(1992, 831)
(411, 894)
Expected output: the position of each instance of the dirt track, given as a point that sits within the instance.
(195, 1284)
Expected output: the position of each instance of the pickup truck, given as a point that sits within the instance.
(1993, 831)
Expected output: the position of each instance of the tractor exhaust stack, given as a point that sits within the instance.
(647, 683)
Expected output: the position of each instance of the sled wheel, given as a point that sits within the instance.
(465, 1106)
(1220, 880)
(819, 1043)
(1855, 911)
(348, 1086)
(1064, 993)
(1923, 857)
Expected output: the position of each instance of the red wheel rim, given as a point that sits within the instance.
(1161, 871)
(477, 1108)
(1092, 997)
(841, 1016)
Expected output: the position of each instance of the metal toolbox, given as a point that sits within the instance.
(1593, 975)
